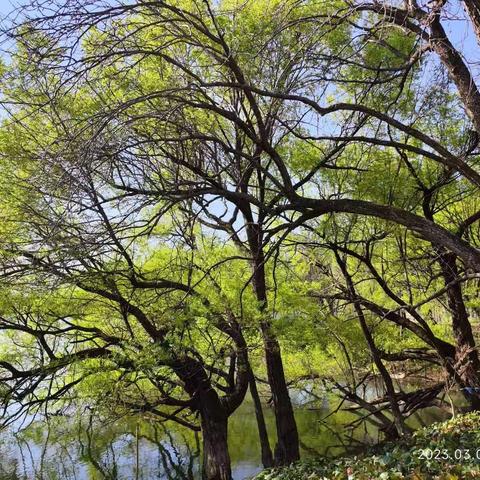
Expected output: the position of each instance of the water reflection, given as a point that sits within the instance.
(89, 448)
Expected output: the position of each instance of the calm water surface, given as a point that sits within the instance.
(87, 448)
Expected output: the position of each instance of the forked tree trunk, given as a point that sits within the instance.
(213, 415)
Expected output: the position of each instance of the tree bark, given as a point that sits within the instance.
(442, 46)
(464, 366)
(472, 8)
(214, 418)
(216, 459)
(387, 380)
(267, 457)
(287, 449)
(430, 231)
(466, 362)
(458, 70)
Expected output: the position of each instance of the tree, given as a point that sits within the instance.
(181, 137)
(104, 306)
(260, 126)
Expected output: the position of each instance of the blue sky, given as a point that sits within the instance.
(6, 6)
(459, 30)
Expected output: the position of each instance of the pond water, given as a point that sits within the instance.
(84, 447)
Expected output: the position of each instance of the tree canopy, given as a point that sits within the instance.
(193, 191)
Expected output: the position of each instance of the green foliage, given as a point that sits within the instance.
(115, 162)
(454, 445)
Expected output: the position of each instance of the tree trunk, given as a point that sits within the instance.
(458, 70)
(216, 459)
(440, 43)
(463, 364)
(472, 8)
(214, 418)
(311, 208)
(267, 457)
(387, 379)
(466, 361)
(287, 449)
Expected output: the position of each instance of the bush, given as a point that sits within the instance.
(443, 451)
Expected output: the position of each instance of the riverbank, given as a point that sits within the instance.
(442, 451)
